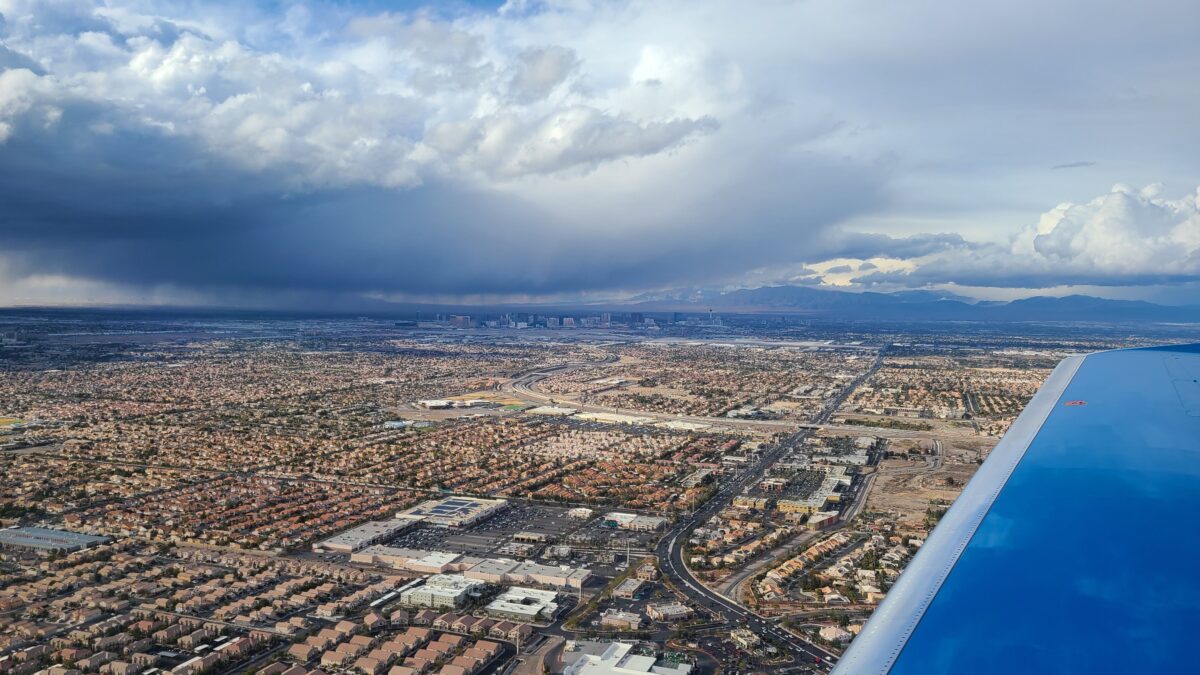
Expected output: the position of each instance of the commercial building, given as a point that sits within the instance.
(489, 570)
(669, 612)
(441, 591)
(516, 549)
(455, 511)
(620, 620)
(679, 425)
(446, 403)
(386, 555)
(634, 522)
(613, 418)
(406, 424)
(698, 477)
(835, 634)
(615, 658)
(438, 562)
(745, 639)
(435, 403)
(807, 505)
(501, 571)
(755, 502)
(527, 605)
(366, 535)
(552, 411)
(46, 541)
(822, 519)
(414, 560)
(628, 589)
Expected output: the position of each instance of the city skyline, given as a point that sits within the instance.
(320, 154)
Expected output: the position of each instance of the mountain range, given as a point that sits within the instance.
(912, 305)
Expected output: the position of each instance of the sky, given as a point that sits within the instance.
(319, 153)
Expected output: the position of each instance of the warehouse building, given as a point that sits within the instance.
(366, 535)
(501, 571)
(46, 541)
(455, 511)
(552, 411)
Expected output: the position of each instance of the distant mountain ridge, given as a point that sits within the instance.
(913, 305)
(823, 303)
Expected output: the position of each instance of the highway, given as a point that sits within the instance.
(523, 386)
(670, 547)
(669, 550)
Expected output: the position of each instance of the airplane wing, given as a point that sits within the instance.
(1076, 546)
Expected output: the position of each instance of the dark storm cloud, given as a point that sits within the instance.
(150, 208)
(317, 148)
(865, 245)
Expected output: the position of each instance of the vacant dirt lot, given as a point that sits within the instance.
(907, 486)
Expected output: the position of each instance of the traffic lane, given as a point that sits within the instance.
(790, 641)
(673, 553)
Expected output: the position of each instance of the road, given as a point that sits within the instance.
(542, 660)
(670, 547)
(522, 386)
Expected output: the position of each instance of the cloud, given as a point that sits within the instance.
(540, 71)
(1126, 237)
(234, 233)
(321, 148)
(393, 154)
(352, 109)
(579, 138)
(1073, 165)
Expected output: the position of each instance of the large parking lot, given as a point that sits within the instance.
(596, 535)
(487, 537)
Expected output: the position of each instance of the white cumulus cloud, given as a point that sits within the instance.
(1123, 237)
(353, 105)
